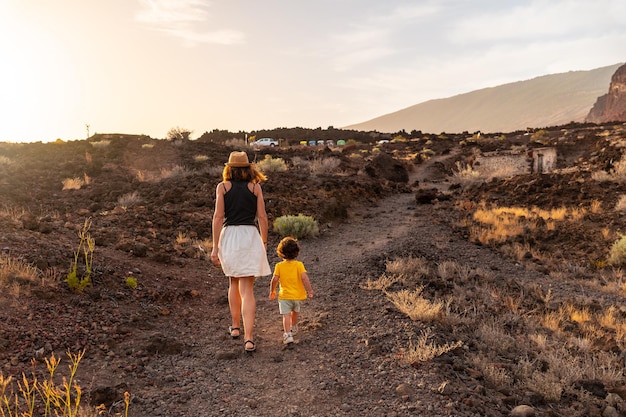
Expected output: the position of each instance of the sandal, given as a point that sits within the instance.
(232, 329)
(247, 349)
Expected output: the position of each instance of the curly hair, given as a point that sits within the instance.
(288, 248)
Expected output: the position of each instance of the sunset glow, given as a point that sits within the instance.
(143, 67)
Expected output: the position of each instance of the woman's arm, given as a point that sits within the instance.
(260, 213)
(218, 221)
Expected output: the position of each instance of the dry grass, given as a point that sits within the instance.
(520, 342)
(382, 283)
(617, 173)
(415, 306)
(182, 238)
(269, 164)
(73, 183)
(5, 160)
(408, 266)
(423, 350)
(12, 213)
(193, 248)
(497, 225)
(324, 165)
(318, 166)
(129, 199)
(205, 246)
(466, 176)
(17, 274)
(200, 158)
(621, 203)
(177, 171)
(101, 144)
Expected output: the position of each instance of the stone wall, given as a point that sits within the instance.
(501, 164)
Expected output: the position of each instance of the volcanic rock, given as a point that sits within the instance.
(611, 106)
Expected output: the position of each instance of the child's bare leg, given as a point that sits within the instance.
(287, 322)
(294, 319)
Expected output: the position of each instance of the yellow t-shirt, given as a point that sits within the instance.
(289, 273)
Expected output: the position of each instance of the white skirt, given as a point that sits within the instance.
(242, 253)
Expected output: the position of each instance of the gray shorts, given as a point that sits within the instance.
(287, 306)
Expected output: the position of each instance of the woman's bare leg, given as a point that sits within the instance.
(248, 305)
(234, 301)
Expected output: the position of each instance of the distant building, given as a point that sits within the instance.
(510, 163)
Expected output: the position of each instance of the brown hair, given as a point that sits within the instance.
(288, 248)
(249, 173)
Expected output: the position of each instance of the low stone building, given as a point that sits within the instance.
(510, 163)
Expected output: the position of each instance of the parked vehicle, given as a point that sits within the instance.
(312, 143)
(264, 142)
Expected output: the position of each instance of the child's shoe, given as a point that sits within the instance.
(287, 338)
(294, 329)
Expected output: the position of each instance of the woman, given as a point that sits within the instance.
(238, 245)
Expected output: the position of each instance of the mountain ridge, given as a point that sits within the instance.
(547, 100)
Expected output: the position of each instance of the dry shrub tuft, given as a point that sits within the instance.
(130, 199)
(177, 171)
(408, 266)
(423, 351)
(324, 165)
(16, 272)
(11, 212)
(5, 160)
(381, 283)
(101, 144)
(415, 306)
(269, 164)
(466, 176)
(200, 158)
(617, 256)
(73, 183)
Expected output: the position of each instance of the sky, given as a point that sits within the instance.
(73, 68)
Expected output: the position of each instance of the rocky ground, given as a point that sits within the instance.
(165, 342)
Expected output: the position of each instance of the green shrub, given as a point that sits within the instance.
(299, 226)
(269, 164)
(617, 256)
(131, 282)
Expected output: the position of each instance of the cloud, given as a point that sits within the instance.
(538, 19)
(186, 19)
(375, 37)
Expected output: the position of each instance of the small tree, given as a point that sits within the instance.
(178, 133)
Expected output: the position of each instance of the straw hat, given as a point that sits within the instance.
(238, 159)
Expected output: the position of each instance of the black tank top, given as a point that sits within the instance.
(239, 205)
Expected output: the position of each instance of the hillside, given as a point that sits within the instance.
(533, 317)
(549, 100)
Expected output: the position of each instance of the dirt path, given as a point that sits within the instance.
(315, 377)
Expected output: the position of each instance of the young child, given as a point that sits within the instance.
(294, 286)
